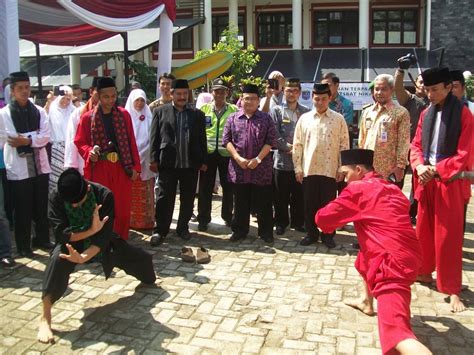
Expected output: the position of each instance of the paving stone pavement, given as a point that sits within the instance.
(251, 298)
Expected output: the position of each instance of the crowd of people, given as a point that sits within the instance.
(108, 168)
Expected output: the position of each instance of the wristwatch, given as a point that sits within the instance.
(258, 159)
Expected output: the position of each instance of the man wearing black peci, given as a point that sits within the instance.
(178, 150)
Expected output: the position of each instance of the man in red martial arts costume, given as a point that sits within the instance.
(389, 253)
(440, 150)
(107, 144)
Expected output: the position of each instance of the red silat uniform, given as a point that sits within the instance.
(111, 175)
(441, 204)
(389, 255)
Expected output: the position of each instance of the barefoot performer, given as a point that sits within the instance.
(389, 255)
(81, 214)
(440, 150)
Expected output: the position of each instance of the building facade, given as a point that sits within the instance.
(269, 25)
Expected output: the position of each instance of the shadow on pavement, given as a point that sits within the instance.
(127, 324)
(443, 335)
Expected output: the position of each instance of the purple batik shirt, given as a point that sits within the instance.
(248, 136)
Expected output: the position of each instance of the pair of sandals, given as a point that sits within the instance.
(202, 255)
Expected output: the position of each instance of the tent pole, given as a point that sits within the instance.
(126, 61)
(38, 71)
(362, 64)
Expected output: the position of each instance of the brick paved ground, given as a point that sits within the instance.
(251, 298)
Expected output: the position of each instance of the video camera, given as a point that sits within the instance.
(406, 61)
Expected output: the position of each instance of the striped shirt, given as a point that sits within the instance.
(182, 139)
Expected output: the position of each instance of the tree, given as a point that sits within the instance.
(470, 87)
(146, 76)
(245, 59)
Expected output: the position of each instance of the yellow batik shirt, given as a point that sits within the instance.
(318, 141)
(386, 131)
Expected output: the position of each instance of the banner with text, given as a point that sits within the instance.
(358, 93)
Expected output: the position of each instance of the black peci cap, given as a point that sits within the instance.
(19, 76)
(435, 76)
(457, 75)
(71, 186)
(357, 156)
(250, 89)
(180, 84)
(105, 82)
(321, 89)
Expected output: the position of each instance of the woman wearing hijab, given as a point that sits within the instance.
(143, 204)
(59, 115)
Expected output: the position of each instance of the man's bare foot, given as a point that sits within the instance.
(45, 334)
(361, 304)
(424, 279)
(456, 304)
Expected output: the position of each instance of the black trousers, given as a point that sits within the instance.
(207, 179)
(7, 196)
(167, 182)
(134, 261)
(288, 192)
(260, 197)
(413, 202)
(318, 191)
(30, 204)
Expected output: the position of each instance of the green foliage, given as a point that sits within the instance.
(470, 88)
(245, 59)
(146, 76)
(260, 82)
(142, 73)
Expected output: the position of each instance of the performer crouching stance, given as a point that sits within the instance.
(81, 214)
(389, 256)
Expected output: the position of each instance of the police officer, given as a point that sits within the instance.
(216, 112)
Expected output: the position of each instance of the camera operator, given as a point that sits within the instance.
(414, 103)
(274, 92)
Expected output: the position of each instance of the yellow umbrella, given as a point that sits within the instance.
(199, 72)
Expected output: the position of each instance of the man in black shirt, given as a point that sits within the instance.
(81, 214)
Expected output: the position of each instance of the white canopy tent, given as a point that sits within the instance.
(95, 13)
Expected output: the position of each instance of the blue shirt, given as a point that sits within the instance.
(343, 106)
(2, 162)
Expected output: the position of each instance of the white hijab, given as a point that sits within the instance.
(59, 116)
(6, 94)
(141, 121)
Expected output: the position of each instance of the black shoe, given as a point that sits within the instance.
(185, 235)
(301, 229)
(202, 227)
(328, 241)
(308, 240)
(268, 239)
(234, 237)
(26, 254)
(7, 262)
(279, 230)
(44, 246)
(156, 240)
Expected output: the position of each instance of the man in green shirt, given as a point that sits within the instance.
(216, 113)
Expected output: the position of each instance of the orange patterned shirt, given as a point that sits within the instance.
(386, 130)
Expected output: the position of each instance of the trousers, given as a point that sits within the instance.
(30, 204)
(168, 181)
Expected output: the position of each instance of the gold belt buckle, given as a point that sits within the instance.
(112, 157)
